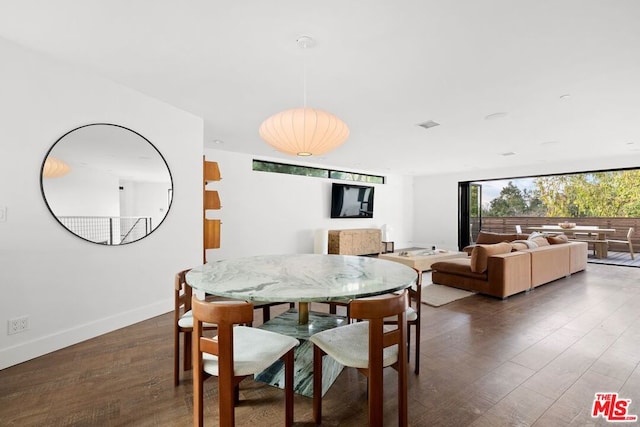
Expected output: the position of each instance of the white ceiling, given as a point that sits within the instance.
(382, 66)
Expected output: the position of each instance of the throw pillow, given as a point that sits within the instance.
(481, 253)
(538, 238)
(519, 245)
(529, 244)
(535, 234)
(540, 241)
(559, 239)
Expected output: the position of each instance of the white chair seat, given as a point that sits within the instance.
(254, 350)
(349, 345)
(186, 321)
(412, 315)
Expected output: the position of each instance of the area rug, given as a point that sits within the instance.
(438, 295)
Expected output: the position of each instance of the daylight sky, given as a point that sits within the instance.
(491, 189)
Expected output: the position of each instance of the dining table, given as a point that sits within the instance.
(302, 279)
(582, 233)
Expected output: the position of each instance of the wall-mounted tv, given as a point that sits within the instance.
(351, 201)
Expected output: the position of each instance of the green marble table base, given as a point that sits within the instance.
(287, 324)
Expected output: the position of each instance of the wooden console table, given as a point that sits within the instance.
(357, 241)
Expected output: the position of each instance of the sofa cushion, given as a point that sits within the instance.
(459, 267)
(558, 239)
(519, 245)
(488, 237)
(539, 239)
(481, 253)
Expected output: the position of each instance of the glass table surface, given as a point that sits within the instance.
(301, 277)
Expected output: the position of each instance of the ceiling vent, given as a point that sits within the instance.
(428, 124)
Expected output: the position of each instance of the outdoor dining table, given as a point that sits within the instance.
(584, 233)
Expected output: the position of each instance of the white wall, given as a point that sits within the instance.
(99, 190)
(436, 196)
(72, 289)
(271, 213)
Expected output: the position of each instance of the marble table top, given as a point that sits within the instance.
(301, 277)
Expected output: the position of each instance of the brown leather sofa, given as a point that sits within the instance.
(509, 267)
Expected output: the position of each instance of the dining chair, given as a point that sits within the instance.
(333, 307)
(414, 313)
(183, 321)
(233, 354)
(369, 346)
(183, 325)
(628, 241)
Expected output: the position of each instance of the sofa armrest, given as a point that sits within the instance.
(468, 249)
(579, 255)
(509, 273)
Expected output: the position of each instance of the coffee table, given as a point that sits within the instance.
(422, 259)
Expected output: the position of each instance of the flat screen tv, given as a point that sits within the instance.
(351, 201)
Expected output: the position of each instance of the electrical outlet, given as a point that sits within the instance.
(17, 325)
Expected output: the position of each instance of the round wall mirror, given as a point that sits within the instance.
(106, 184)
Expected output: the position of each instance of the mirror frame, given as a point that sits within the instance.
(164, 161)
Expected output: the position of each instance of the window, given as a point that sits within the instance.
(264, 166)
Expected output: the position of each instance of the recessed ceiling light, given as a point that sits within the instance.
(218, 142)
(306, 42)
(508, 153)
(428, 124)
(494, 116)
(565, 96)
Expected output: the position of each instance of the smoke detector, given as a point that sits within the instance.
(428, 124)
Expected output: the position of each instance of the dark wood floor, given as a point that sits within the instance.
(533, 359)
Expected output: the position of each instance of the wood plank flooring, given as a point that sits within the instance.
(535, 359)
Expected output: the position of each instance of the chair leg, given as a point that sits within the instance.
(317, 384)
(288, 388)
(198, 414)
(176, 356)
(403, 407)
(417, 361)
(375, 395)
(187, 350)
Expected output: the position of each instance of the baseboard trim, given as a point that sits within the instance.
(40, 346)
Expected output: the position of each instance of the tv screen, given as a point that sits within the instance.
(351, 201)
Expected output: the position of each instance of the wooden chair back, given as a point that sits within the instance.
(182, 303)
(225, 314)
(182, 295)
(375, 310)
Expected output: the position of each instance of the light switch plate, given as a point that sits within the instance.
(3, 214)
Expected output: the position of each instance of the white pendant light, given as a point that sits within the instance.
(54, 168)
(304, 131)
